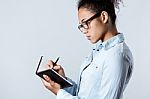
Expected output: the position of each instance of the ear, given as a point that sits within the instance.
(104, 17)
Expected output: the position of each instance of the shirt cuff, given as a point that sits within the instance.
(60, 93)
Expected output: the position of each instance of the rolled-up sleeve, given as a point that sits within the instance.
(62, 94)
(69, 92)
(72, 89)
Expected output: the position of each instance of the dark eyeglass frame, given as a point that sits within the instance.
(85, 24)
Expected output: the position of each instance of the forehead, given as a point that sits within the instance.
(84, 14)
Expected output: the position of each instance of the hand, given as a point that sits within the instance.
(51, 85)
(57, 68)
(48, 83)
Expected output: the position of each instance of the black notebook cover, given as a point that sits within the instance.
(53, 76)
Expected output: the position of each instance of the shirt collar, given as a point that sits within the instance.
(109, 43)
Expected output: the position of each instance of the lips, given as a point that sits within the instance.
(88, 37)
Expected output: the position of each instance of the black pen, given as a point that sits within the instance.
(56, 61)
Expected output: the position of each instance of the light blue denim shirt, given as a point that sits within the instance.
(104, 74)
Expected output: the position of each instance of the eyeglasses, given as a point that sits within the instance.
(85, 24)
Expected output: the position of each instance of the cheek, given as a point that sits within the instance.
(96, 32)
(97, 29)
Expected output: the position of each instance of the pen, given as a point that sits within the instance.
(56, 61)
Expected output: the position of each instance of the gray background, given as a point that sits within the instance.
(31, 28)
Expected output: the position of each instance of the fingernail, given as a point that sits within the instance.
(44, 76)
(55, 67)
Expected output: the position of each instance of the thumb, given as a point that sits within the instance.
(46, 78)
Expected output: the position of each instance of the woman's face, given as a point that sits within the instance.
(96, 27)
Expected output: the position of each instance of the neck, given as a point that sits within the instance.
(112, 31)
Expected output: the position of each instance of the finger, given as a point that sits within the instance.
(52, 83)
(50, 63)
(46, 78)
(46, 84)
(46, 66)
(57, 67)
(49, 66)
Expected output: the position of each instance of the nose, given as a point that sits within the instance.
(84, 32)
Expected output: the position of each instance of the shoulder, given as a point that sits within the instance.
(120, 49)
(118, 55)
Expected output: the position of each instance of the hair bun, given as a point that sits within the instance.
(116, 2)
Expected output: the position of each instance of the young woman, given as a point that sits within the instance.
(105, 73)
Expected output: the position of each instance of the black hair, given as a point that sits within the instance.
(96, 6)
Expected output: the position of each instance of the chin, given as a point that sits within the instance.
(93, 42)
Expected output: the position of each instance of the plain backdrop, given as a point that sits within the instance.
(31, 28)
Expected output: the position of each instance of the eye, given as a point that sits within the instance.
(85, 25)
(81, 25)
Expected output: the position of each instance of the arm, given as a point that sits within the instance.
(63, 94)
(71, 90)
(56, 88)
(66, 93)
